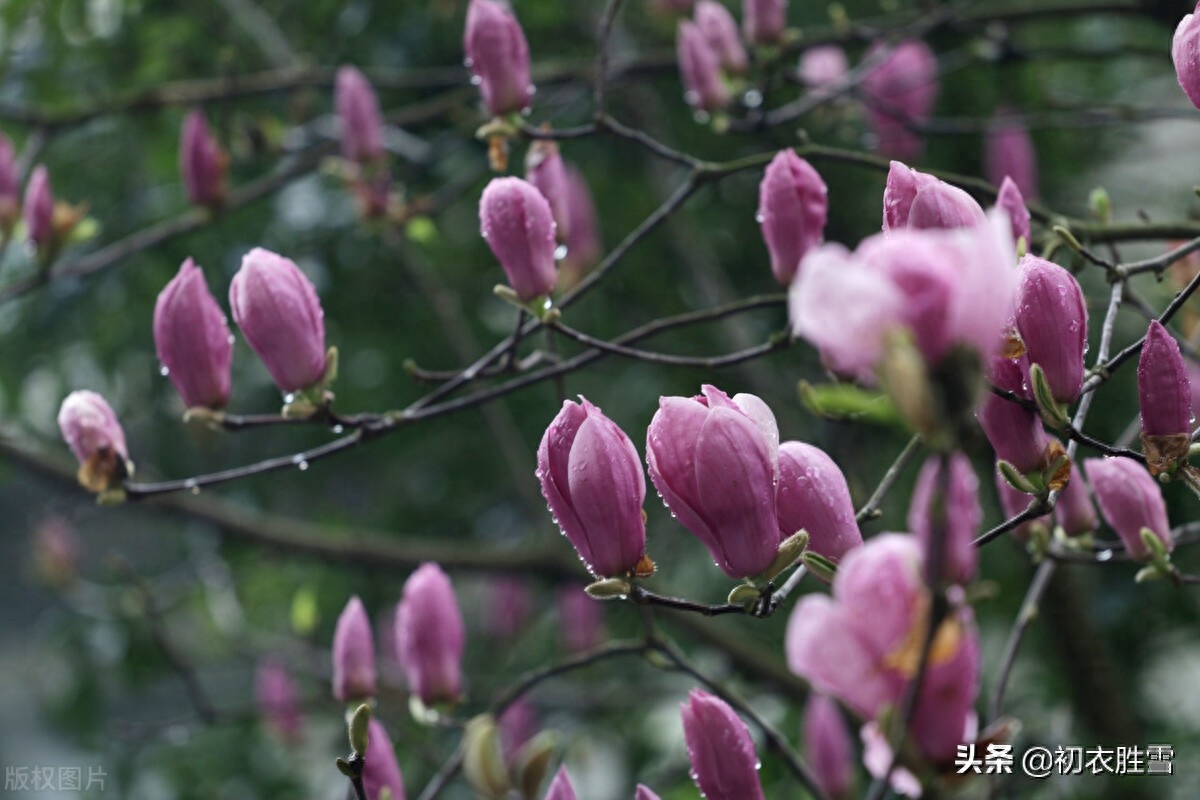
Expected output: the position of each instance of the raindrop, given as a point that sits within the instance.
(760, 218)
(338, 429)
(476, 80)
(560, 252)
(752, 98)
(468, 62)
(163, 370)
(289, 398)
(1104, 555)
(300, 463)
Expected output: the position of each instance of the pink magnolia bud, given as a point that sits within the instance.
(724, 764)
(592, 480)
(430, 636)
(561, 787)
(1129, 500)
(900, 91)
(358, 114)
(714, 461)
(828, 747)
(962, 512)
(721, 31)
(1015, 431)
(10, 185)
(792, 209)
(498, 57)
(39, 208)
(812, 495)
(518, 225)
(1009, 153)
(353, 654)
(583, 229)
(821, 67)
(1010, 200)
(507, 606)
(704, 88)
(517, 725)
(56, 551)
(380, 769)
(1185, 52)
(913, 199)
(1074, 510)
(1164, 389)
(544, 169)
(277, 310)
(1051, 316)
(201, 164)
(644, 793)
(763, 20)
(192, 339)
(278, 700)
(90, 427)
(581, 620)
(1013, 502)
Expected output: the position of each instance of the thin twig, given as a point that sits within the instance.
(870, 509)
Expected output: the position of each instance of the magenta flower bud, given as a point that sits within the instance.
(714, 461)
(507, 606)
(498, 57)
(1013, 502)
(827, 746)
(900, 91)
(793, 205)
(517, 725)
(763, 20)
(56, 551)
(353, 654)
(1015, 432)
(1185, 52)
(644, 793)
(963, 515)
(359, 117)
(90, 428)
(1164, 389)
(380, 770)
(278, 701)
(10, 184)
(544, 169)
(592, 480)
(561, 787)
(721, 31)
(430, 636)
(812, 495)
(277, 310)
(1051, 317)
(1009, 153)
(192, 339)
(704, 88)
(1010, 200)
(583, 229)
(821, 67)
(1074, 510)
(724, 764)
(39, 208)
(913, 199)
(1130, 499)
(201, 164)
(581, 620)
(518, 225)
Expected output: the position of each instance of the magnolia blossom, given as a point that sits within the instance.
(913, 199)
(1185, 52)
(943, 287)
(900, 91)
(1009, 153)
(498, 56)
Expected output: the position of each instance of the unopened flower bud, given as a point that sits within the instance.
(278, 701)
(960, 511)
(544, 169)
(592, 480)
(1009, 152)
(516, 220)
(828, 747)
(721, 31)
(763, 21)
(913, 199)
(1010, 200)
(201, 163)
(353, 654)
(644, 793)
(724, 764)
(358, 115)
(10, 187)
(1130, 499)
(430, 636)
(792, 209)
(900, 91)
(483, 763)
(192, 339)
(812, 495)
(715, 461)
(56, 551)
(1074, 511)
(1051, 316)
(583, 229)
(1185, 52)
(380, 770)
(498, 57)
(1013, 502)
(277, 310)
(1014, 430)
(581, 620)
(38, 208)
(704, 88)
(91, 430)
(1165, 399)
(561, 787)
(822, 66)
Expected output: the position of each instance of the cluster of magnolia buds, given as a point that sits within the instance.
(277, 310)
(712, 58)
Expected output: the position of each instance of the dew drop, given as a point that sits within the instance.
(1104, 555)
(468, 62)
(338, 429)
(752, 98)
(300, 463)
(760, 218)
(163, 370)
(289, 398)
(476, 80)
(560, 252)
